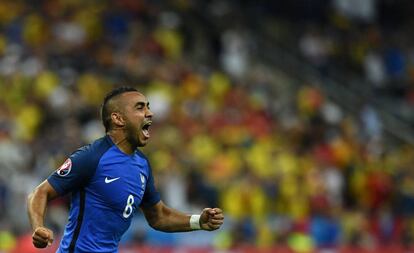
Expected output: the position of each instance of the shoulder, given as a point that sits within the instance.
(77, 170)
(92, 153)
(143, 158)
(146, 164)
(98, 146)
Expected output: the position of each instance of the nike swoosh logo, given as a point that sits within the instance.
(107, 180)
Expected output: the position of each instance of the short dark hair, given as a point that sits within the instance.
(105, 111)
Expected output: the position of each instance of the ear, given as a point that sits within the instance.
(117, 119)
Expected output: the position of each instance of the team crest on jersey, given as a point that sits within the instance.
(142, 178)
(143, 183)
(65, 168)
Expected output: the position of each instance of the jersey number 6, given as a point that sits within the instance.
(128, 207)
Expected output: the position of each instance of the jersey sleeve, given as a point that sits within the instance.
(151, 195)
(73, 173)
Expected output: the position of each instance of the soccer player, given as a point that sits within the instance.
(109, 180)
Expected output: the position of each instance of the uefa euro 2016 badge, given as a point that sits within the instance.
(65, 168)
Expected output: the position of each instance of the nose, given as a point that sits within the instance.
(149, 113)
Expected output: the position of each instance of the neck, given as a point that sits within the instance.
(118, 137)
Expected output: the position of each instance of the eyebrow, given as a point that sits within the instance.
(140, 103)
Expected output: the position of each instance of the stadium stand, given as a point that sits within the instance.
(295, 117)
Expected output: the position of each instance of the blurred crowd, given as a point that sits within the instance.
(287, 165)
(370, 38)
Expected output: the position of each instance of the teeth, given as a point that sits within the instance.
(145, 129)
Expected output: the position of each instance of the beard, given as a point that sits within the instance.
(132, 135)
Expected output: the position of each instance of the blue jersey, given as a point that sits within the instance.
(107, 188)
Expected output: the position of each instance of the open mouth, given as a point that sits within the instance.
(145, 129)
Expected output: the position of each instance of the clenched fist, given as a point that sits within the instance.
(42, 237)
(211, 219)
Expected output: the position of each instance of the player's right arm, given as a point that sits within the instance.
(36, 207)
(74, 173)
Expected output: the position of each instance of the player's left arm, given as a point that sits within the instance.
(164, 218)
